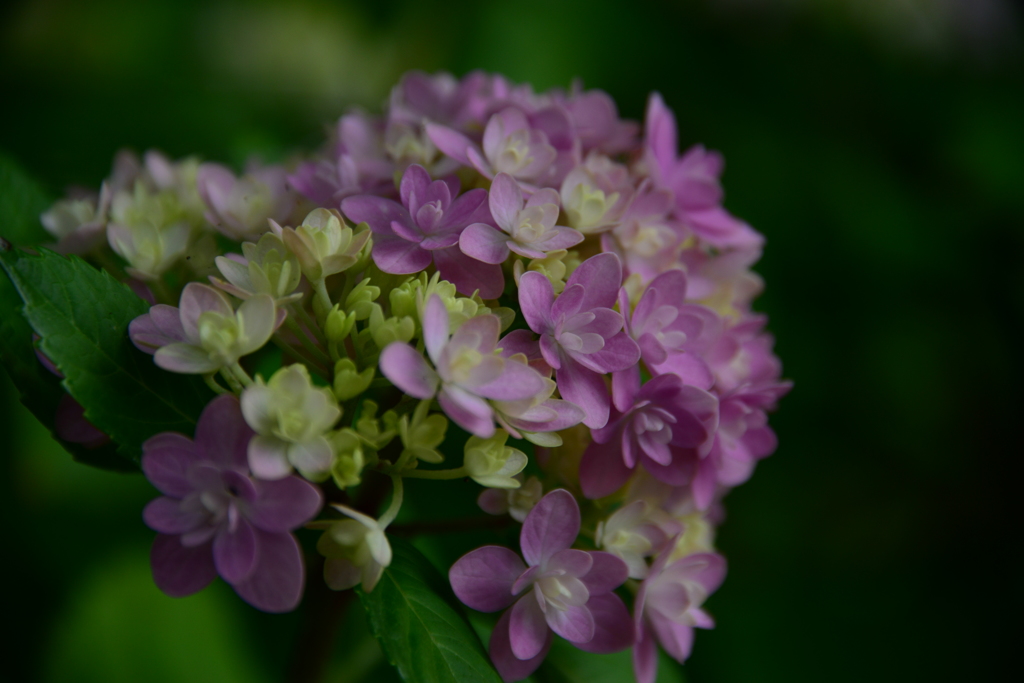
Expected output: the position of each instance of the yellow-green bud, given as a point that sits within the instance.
(386, 331)
(348, 381)
(360, 299)
(489, 462)
(339, 324)
(349, 458)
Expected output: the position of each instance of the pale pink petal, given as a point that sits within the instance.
(197, 299)
(408, 370)
(484, 243)
(398, 256)
(575, 623)
(268, 457)
(506, 201)
(601, 277)
(586, 389)
(607, 573)
(469, 275)
(536, 296)
(186, 359)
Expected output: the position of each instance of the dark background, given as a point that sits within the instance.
(879, 145)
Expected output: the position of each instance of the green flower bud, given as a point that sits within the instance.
(360, 299)
(423, 433)
(338, 325)
(386, 331)
(348, 381)
(349, 459)
(324, 245)
(489, 462)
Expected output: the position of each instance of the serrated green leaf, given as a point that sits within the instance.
(82, 315)
(38, 389)
(567, 664)
(420, 626)
(21, 201)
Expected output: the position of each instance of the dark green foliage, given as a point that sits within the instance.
(82, 316)
(420, 625)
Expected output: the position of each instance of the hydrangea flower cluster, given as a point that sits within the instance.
(558, 289)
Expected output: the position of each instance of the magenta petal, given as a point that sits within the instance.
(463, 409)
(377, 212)
(601, 277)
(166, 459)
(483, 578)
(586, 389)
(575, 623)
(235, 552)
(607, 573)
(197, 299)
(551, 526)
(505, 199)
(570, 562)
(284, 504)
(536, 295)
(397, 256)
(613, 626)
(169, 516)
(450, 142)
(222, 435)
(484, 243)
(469, 275)
(645, 656)
(625, 386)
(435, 327)
(677, 639)
(408, 370)
(277, 582)
(619, 352)
(517, 382)
(179, 570)
(528, 630)
(510, 667)
(602, 471)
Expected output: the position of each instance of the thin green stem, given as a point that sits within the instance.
(232, 381)
(395, 505)
(308, 321)
(211, 381)
(239, 372)
(312, 349)
(457, 473)
(321, 293)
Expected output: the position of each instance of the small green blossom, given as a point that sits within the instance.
(489, 462)
(360, 299)
(290, 417)
(339, 324)
(323, 244)
(348, 381)
(385, 331)
(349, 457)
(270, 268)
(423, 433)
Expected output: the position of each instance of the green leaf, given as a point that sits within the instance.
(21, 201)
(567, 664)
(420, 626)
(82, 315)
(39, 389)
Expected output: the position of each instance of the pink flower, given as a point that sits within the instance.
(672, 335)
(668, 426)
(581, 336)
(528, 230)
(240, 207)
(693, 179)
(558, 589)
(215, 518)
(668, 607)
(425, 229)
(466, 370)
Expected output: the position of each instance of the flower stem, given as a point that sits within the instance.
(457, 473)
(232, 381)
(312, 349)
(239, 372)
(211, 381)
(395, 505)
(321, 293)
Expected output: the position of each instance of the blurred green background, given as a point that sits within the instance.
(879, 144)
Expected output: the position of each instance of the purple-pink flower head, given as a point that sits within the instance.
(354, 164)
(693, 179)
(581, 336)
(215, 518)
(558, 589)
(526, 228)
(466, 372)
(667, 428)
(425, 229)
(668, 607)
(672, 335)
